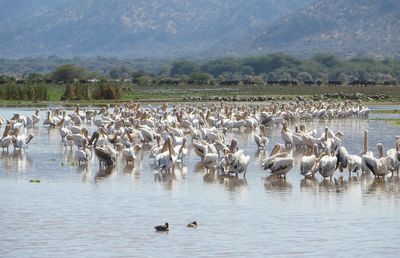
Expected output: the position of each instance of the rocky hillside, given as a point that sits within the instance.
(134, 28)
(346, 27)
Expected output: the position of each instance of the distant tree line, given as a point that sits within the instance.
(275, 69)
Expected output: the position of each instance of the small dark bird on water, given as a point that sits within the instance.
(192, 225)
(162, 228)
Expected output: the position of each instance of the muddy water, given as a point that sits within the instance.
(84, 212)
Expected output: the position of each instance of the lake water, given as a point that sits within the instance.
(78, 212)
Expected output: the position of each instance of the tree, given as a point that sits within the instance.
(327, 60)
(200, 77)
(68, 73)
(120, 72)
(35, 78)
(304, 76)
(247, 70)
(183, 67)
(271, 76)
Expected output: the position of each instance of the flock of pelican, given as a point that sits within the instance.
(121, 133)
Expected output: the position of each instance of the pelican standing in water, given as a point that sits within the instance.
(261, 140)
(129, 154)
(394, 154)
(378, 166)
(6, 139)
(105, 156)
(279, 163)
(21, 141)
(238, 162)
(309, 164)
(366, 154)
(327, 165)
(346, 160)
(165, 161)
(84, 154)
(287, 135)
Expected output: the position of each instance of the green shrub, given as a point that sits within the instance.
(107, 90)
(32, 92)
(76, 91)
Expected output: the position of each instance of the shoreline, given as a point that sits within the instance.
(97, 103)
(28, 104)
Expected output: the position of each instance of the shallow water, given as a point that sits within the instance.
(78, 212)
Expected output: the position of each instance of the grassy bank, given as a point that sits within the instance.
(387, 111)
(392, 121)
(179, 93)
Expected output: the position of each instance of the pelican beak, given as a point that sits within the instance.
(276, 150)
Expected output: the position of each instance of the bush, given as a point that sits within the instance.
(68, 73)
(24, 92)
(76, 91)
(107, 90)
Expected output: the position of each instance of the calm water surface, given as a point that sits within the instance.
(79, 212)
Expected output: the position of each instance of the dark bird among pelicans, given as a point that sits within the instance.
(192, 225)
(161, 228)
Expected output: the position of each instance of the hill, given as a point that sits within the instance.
(133, 28)
(345, 27)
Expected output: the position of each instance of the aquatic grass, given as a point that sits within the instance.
(393, 121)
(115, 92)
(29, 92)
(385, 111)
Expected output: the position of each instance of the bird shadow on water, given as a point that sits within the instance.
(261, 154)
(168, 179)
(309, 183)
(232, 183)
(378, 185)
(199, 167)
(327, 185)
(277, 183)
(85, 171)
(103, 173)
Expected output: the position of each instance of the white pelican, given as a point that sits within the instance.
(378, 166)
(6, 139)
(31, 121)
(237, 162)
(395, 156)
(156, 149)
(21, 141)
(346, 160)
(366, 153)
(309, 164)
(166, 159)
(327, 165)
(261, 140)
(78, 138)
(181, 151)
(104, 154)
(210, 161)
(84, 154)
(278, 162)
(287, 135)
(129, 154)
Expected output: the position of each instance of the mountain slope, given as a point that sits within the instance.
(347, 27)
(134, 28)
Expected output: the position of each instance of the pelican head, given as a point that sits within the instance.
(232, 147)
(137, 148)
(29, 138)
(93, 140)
